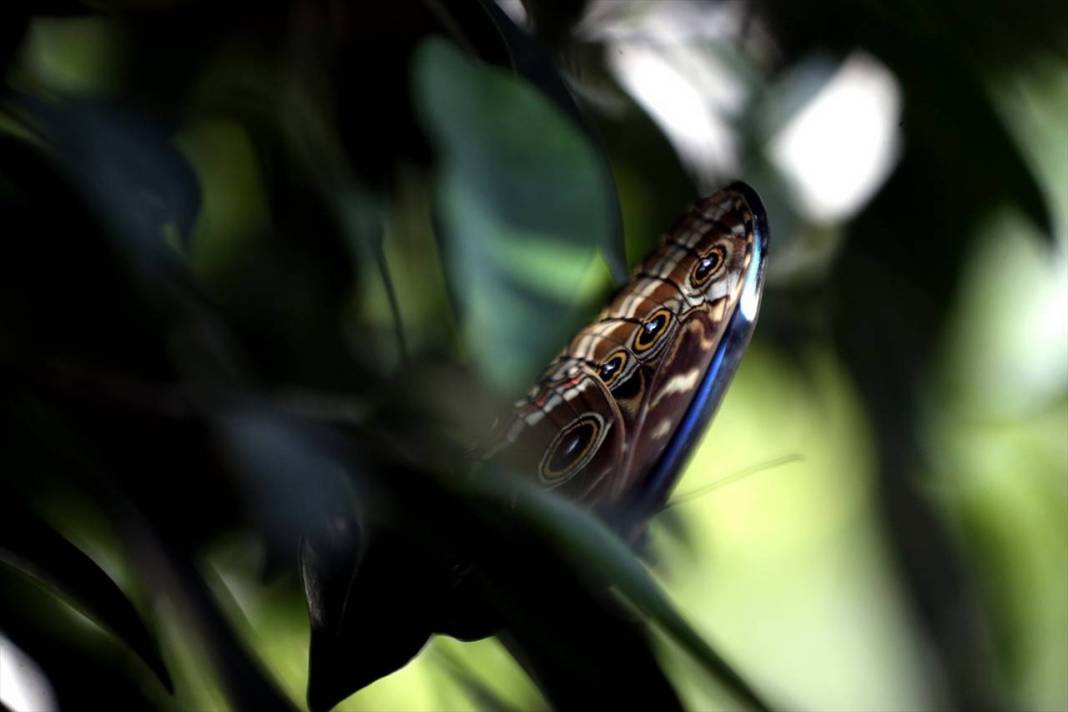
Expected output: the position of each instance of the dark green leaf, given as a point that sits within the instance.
(523, 200)
(31, 546)
(65, 288)
(438, 560)
(165, 566)
(78, 660)
(287, 478)
(125, 164)
(591, 545)
(371, 610)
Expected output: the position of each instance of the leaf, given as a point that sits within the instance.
(164, 565)
(64, 287)
(29, 545)
(969, 141)
(13, 23)
(289, 480)
(590, 544)
(564, 626)
(162, 520)
(474, 686)
(582, 648)
(554, 20)
(533, 62)
(125, 164)
(329, 560)
(77, 660)
(371, 611)
(439, 559)
(523, 200)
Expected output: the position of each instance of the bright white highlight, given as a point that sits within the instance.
(515, 10)
(23, 686)
(749, 302)
(837, 151)
(689, 94)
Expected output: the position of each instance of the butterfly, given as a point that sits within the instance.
(610, 423)
(616, 414)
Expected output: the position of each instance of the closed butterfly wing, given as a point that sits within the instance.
(615, 415)
(570, 427)
(716, 259)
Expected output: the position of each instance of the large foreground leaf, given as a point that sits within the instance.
(523, 200)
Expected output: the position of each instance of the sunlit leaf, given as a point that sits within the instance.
(518, 182)
(485, 697)
(164, 566)
(534, 62)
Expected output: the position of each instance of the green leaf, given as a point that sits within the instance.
(286, 475)
(76, 660)
(432, 556)
(523, 200)
(30, 546)
(590, 544)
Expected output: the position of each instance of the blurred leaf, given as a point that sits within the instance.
(31, 546)
(561, 624)
(553, 20)
(65, 289)
(588, 542)
(523, 201)
(435, 559)
(287, 480)
(13, 22)
(125, 164)
(329, 559)
(484, 696)
(164, 518)
(172, 573)
(371, 608)
(950, 111)
(79, 662)
(989, 34)
(582, 648)
(908, 277)
(533, 62)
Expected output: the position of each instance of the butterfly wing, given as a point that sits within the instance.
(693, 376)
(616, 413)
(570, 426)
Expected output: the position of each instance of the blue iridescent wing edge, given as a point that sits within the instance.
(664, 473)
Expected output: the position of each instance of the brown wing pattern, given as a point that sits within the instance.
(606, 407)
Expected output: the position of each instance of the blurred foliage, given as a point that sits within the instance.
(271, 270)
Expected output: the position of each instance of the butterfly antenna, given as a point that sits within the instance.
(734, 477)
